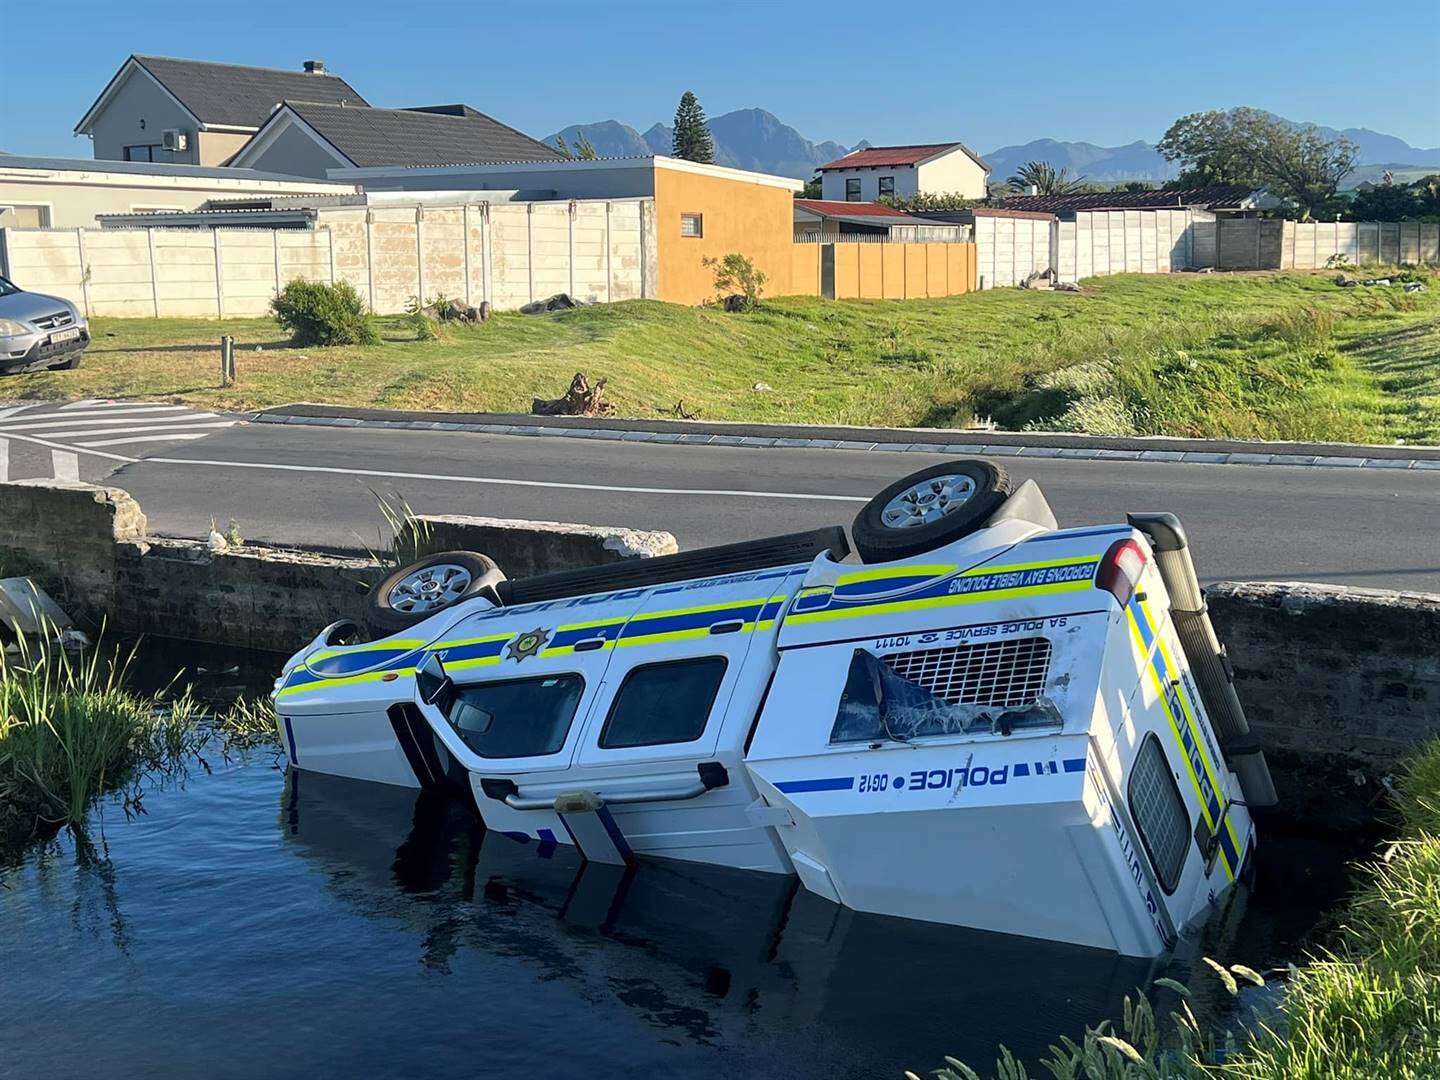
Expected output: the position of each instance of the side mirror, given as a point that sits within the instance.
(431, 682)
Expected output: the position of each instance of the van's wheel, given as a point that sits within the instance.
(75, 362)
(929, 509)
(406, 596)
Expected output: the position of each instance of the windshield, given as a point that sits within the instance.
(878, 704)
(7, 287)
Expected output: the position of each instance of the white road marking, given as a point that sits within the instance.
(35, 423)
(65, 446)
(66, 466)
(90, 401)
(158, 436)
(492, 480)
(12, 410)
(132, 429)
(507, 482)
(4, 461)
(123, 410)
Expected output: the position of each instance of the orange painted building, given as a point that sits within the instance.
(704, 211)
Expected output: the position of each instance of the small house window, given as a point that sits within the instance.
(692, 224)
(516, 717)
(140, 153)
(852, 189)
(663, 703)
(20, 216)
(887, 185)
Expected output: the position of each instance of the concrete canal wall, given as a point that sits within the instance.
(1339, 683)
(252, 597)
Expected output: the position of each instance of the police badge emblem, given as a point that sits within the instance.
(527, 644)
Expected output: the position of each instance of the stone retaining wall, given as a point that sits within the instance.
(251, 597)
(110, 571)
(72, 527)
(526, 548)
(1339, 683)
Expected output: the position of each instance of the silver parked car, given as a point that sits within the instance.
(39, 331)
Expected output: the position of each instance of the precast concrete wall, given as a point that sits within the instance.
(507, 253)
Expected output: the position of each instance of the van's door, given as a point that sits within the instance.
(525, 682)
(683, 686)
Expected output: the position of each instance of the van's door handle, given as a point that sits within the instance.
(589, 644)
(710, 774)
(729, 626)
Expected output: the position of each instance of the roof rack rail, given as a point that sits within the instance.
(772, 552)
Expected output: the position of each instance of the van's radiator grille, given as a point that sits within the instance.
(999, 674)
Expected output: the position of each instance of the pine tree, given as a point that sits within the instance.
(561, 145)
(585, 149)
(693, 140)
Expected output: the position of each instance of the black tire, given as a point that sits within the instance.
(875, 541)
(74, 362)
(383, 617)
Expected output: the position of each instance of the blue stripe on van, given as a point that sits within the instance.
(829, 783)
(290, 738)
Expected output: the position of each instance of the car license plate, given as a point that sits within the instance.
(60, 336)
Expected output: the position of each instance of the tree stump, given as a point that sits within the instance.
(581, 399)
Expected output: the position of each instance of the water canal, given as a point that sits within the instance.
(256, 922)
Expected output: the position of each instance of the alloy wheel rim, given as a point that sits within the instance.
(928, 501)
(429, 588)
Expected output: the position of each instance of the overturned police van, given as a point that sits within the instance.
(970, 716)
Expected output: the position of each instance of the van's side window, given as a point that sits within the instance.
(663, 703)
(517, 717)
(1159, 812)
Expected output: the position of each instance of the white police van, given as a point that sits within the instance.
(983, 720)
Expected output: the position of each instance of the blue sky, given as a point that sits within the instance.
(990, 74)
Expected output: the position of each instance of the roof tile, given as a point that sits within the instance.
(899, 155)
(836, 208)
(457, 135)
(234, 96)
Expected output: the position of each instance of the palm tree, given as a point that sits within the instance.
(1046, 179)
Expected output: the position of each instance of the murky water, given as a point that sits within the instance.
(255, 924)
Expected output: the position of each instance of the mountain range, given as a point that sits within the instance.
(759, 140)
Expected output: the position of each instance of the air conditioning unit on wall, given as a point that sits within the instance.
(174, 139)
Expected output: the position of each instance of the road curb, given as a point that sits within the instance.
(886, 440)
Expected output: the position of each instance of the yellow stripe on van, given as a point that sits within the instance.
(1175, 731)
(1194, 725)
(987, 597)
(369, 646)
(344, 680)
(884, 572)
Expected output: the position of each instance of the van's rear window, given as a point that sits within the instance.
(517, 717)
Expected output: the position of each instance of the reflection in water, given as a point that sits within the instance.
(373, 931)
(702, 954)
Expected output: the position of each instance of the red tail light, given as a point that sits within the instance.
(1120, 569)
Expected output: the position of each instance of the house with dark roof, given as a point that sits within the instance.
(194, 112)
(902, 171)
(308, 138)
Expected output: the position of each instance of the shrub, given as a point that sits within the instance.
(320, 314)
(736, 275)
(418, 316)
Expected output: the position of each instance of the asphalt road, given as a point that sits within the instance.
(308, 485)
